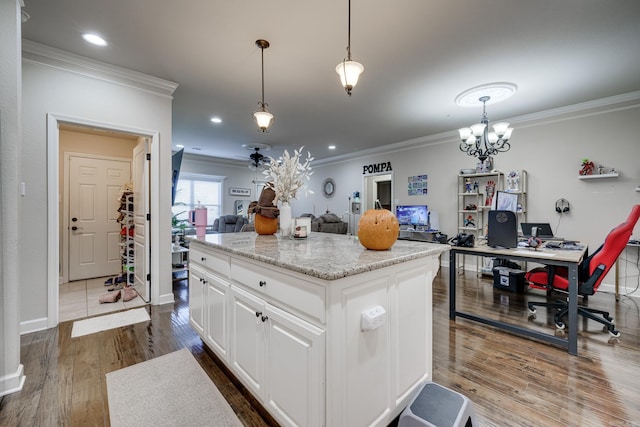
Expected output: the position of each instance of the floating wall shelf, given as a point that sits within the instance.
(601, 175)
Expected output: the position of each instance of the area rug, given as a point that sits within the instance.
(109, 321)
(170, 390)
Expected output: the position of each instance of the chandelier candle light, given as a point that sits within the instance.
(348, 70)
(478, 141)
(262, 116)
(286, 176)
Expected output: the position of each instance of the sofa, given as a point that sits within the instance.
(229, 224)
(327, 223)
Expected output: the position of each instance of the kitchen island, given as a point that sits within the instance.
(322, 331)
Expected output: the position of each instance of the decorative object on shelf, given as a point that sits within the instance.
(587, 167)
(471, 207)
(469, 221)
(288, 174)
(485, 165)
(513, 182)
(348, 70)
(378, 229)
(490, 189)
(477, 140)
(266, 212)
(262, 116)
(468, 185)
(328, 188)
(417, 185)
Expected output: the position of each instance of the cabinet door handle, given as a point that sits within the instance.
(258, 313)
(264, 318)
(262, 283)
(203, 259)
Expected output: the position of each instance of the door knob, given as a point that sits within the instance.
(74, 219)
(74, 228)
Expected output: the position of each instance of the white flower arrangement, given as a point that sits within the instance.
(287, 175)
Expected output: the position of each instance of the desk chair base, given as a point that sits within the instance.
(562, 309)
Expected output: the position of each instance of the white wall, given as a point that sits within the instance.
(11, 370)
(550, 146)
(59, 84)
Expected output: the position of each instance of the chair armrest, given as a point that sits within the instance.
(587, 288)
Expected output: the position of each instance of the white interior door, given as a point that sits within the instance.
(94, 233)
(141, 238)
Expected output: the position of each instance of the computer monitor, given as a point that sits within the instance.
(505, 201)
(415, 215)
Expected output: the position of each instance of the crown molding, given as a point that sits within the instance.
(56, 58)
(569, 112)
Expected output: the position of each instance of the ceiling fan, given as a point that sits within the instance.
(258, 160)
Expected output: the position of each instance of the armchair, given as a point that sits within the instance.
(591, 271)
(229, 223)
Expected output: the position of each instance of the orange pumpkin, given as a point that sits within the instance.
(378, 229)
(266, 225)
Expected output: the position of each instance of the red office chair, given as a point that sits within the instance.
(591, 272)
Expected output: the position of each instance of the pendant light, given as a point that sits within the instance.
(262, 116)
(348, 70)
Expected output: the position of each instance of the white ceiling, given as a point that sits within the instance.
(418, 56)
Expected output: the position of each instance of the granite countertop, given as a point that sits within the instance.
(322, 255)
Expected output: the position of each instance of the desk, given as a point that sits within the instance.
(565, 258)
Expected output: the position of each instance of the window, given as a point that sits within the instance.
(194, 190)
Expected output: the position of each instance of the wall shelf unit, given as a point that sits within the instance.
(599, 176)
(474, 201)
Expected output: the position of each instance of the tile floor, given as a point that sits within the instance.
(79, 299)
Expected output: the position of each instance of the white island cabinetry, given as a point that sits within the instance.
(285, 317)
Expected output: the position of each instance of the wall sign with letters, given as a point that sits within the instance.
(376, 168)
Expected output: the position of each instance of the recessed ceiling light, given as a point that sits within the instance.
(216, 120)
(179, 146)
(332, 147)
(497, 91)
(94, 39)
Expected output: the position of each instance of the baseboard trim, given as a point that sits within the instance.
(34, 325)
(13, 382)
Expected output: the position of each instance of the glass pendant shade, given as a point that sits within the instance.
(500, 128)
(465, 133)
(478, 129)
(349, 72)
(492, 137)
(263, 119)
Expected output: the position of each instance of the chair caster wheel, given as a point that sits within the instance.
(532, 310)
(614, 333)
(560, 325)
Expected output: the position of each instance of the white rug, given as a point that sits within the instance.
(170, 390)
(109, 321)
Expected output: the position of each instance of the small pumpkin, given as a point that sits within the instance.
(265, 225)
(378, 229)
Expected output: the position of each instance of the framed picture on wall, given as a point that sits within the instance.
(239, 191)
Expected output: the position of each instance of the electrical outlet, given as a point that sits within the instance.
(373, 318)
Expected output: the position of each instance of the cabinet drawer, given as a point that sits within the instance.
(215, 262)
(281, 289)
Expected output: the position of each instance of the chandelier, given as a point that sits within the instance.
(262, 116)
(348, 70)
(479, 142)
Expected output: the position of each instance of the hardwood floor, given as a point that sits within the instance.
(512, 381)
